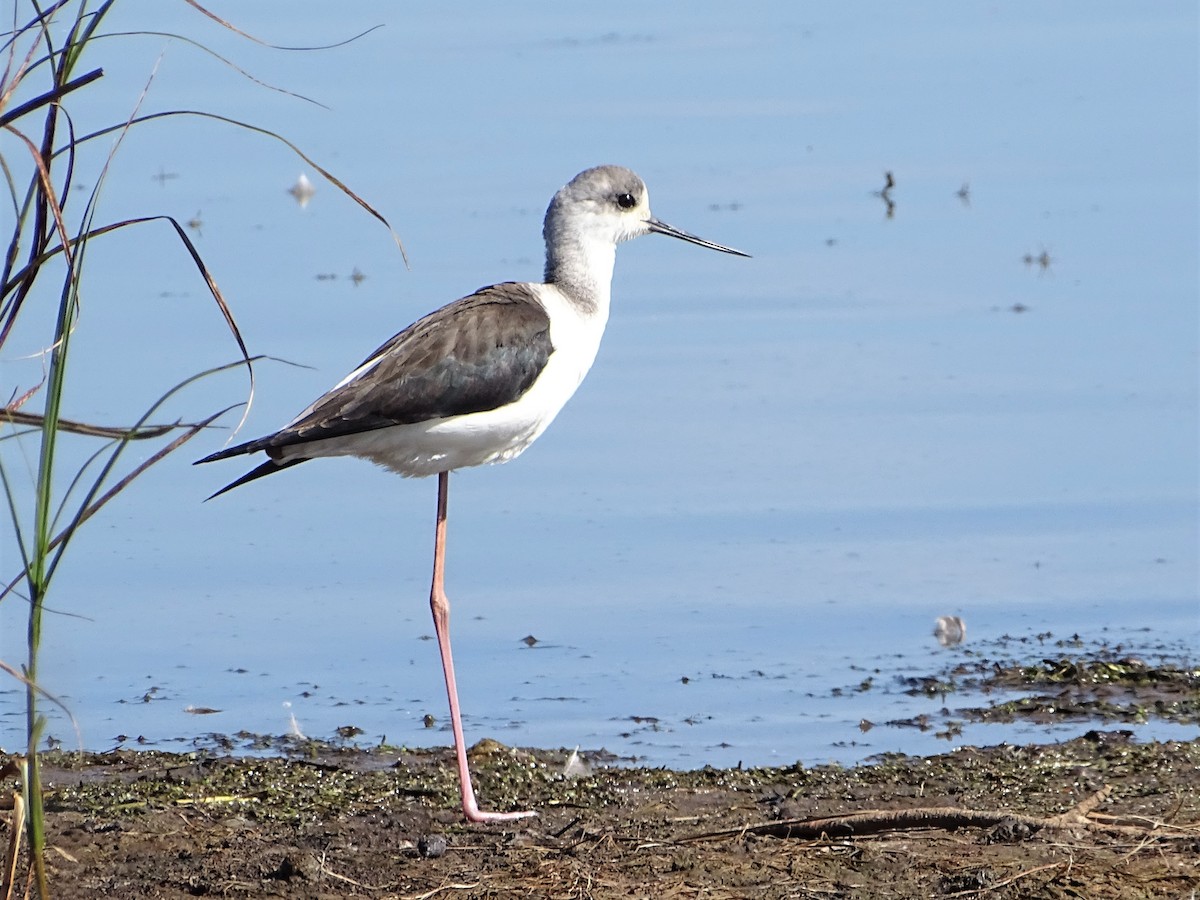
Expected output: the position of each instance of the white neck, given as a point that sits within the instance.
(581, 266)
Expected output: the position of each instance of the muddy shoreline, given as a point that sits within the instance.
(1101, 815)
(352, 823)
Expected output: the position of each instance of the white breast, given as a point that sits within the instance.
(497, 435)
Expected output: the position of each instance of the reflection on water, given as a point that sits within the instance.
(777, 476)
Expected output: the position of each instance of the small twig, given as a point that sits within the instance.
(14, 844)
(1144, 823)
(858, 824)
(565, 828)
(347, 879)
(456, 886)
(1008, 881)
(69, 857)
(944, 817)
(220, 798)
(1077, 815)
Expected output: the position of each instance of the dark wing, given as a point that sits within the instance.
(475, 354)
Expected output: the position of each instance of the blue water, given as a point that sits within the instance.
(780, 471)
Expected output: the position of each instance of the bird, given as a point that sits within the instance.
(478, 380)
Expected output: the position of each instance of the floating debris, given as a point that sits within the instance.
(886, 194)
(575, 766)
(303, 190)
(950, 630)
(293, 725)
(200, 710)
(1042, 260)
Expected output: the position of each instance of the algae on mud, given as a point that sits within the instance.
(341, 822)
(317, 819)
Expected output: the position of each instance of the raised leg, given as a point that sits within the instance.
(440, 604)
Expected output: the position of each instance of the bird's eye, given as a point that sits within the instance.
(626, 201)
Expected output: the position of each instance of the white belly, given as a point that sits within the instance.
(494, 436)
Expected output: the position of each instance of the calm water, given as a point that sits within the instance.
(780, 471)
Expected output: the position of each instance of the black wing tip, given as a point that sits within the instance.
(212, 457)
(238, 450)
(223, 454)
(270, 467)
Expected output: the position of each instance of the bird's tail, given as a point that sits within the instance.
(268, 468)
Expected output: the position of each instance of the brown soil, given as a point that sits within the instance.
(1096, 817)
(373, 824)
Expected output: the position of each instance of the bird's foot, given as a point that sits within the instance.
(474, 814)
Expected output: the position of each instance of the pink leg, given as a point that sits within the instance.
(440, 604)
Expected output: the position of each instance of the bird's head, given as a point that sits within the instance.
(609, 205)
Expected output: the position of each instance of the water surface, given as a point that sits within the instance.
(780, 471)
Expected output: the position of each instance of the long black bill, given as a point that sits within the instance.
(671, 231)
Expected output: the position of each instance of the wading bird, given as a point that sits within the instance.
(479, 379)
